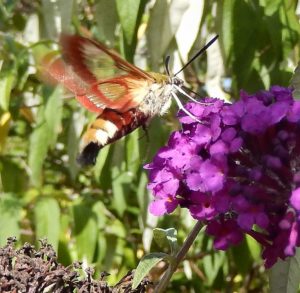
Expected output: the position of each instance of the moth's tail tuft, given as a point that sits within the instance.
(109, 126)
(88, 155)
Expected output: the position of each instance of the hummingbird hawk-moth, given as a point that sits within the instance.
(122, 95)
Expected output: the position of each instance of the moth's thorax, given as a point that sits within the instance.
(157, 101)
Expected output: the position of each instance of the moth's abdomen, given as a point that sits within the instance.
(109, 126)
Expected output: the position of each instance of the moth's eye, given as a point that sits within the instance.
(177, 81)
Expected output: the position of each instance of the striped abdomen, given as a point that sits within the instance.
(109, 126)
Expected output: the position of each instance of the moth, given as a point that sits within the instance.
(123, 96)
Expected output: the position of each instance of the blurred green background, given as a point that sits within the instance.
(99, 215)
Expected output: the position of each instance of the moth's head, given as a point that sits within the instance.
(174, 80)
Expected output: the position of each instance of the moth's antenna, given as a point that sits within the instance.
(191, 91)
(199, 53)
(167, 61)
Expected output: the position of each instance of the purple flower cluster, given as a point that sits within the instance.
(238, 171)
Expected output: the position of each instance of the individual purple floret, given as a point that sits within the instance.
(238, 171)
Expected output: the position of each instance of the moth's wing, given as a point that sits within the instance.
(98, 77)
(55, 70)
(93, 61)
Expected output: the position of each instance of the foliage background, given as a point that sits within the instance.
(99, 214)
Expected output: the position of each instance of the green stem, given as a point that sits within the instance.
(164, 281)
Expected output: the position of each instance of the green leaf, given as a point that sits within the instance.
(86, 231)
(6, 84)
(128, 13)
(13, 178)
(158, 133)
(45, 134)
(5, 119)
(47, 220)
(190, 22)
(284, 276)
(295, 82)
(110, 250)
(121, 179)
(164, 21)
(102, 246)
(164, 237)
(224, 21)
(254, 248)
(146, 264)
(64, 252)
(72, 145)
(50, 14)
(53, 115)
(10, 215)
(242, 258)
(142, 195)
(57, 16)
(244, 18)
(65, 8)
(106, 17)
(101, 160)
(212, 264)
(37, 152)
(133, 160)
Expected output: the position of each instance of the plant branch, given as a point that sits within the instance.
(163, 283)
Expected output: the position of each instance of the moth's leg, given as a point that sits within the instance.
(146, 132)
(179, 89)
(181, 107)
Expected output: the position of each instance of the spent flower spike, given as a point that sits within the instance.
(238, 171)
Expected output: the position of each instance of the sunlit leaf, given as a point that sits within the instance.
(164, 21)
(6, 84)
(47, 220)
(166, 237)
(85, 231)
(254, 248)
(10, 215)
(4, 127)
(190, 22)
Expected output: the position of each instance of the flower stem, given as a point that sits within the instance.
(164, 281)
